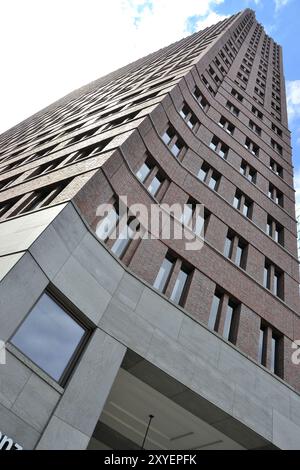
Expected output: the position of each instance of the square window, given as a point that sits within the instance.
(50, 337)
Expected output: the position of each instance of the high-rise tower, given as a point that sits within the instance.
(101, 332)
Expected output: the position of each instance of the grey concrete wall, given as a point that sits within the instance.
(126, 313)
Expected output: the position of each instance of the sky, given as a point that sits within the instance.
(52, 47)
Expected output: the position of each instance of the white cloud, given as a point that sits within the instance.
(51, 47)
(280, 4)
(293, 99)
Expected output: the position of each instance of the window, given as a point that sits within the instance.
(87, 152)
(214, 312)
(196, 220)
(276, 367)
(243, 204)
(262, 349)
(189, 117)
(247, 171)
(51, 337)
(233, 109)
(226, 125)
(173, 141)
(237, 95)
(230, 323)
(83, 135)
(179, 287)
(277, 130)
(125, 236)
(273, 279)
(151, 176)
(201, 99)
(257, 113)
(252, 147)
(276, 146)
(143, 172)
(275, 195)
(155, 185)
(255, 127)
(278, 170)
(222, 304)
(165, 275)
(209, 176)
(219, 147)
(270, 350)
(235, 249)
(275, 230)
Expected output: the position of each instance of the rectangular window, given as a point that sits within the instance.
(229, 332)
(262, 346)
(275, 230)
(201, 99)
(189, 117)
(179, 287)
(214, 312)
(122, 242)
(51, 337)
(255, 127)
(233, 109)
(278, 170)
(243, 204)
(168, 135)
(276, 147)
(173, 141)
(164, 274)
(143, 172)
(235, 249)
(237, 95)
(231, 309)
(219, 147)
(257, 113)
(226, 125)
(274, 279)
(252, 147)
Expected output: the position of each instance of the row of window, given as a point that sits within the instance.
(52, 337)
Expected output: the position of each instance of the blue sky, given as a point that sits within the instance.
(55, 46)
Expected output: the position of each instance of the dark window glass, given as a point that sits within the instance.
(49, 336)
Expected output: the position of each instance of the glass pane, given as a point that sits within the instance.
(176, 149)
(266, 277)
(167, 137)
(246, 209)
(228, 247)
(154, 186)
(107, 225)
(214, 312)
(163, 275)
(213, 183)
(199, 226)
(187, 214)
(239, 254)
(122, 242)
(236, 202)
(179, 286)
(273, 355)
(143, 172)
(228, 321)
(275, 284)
(202, 174)
(213, 145)
(49, 337)
(261, 346)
